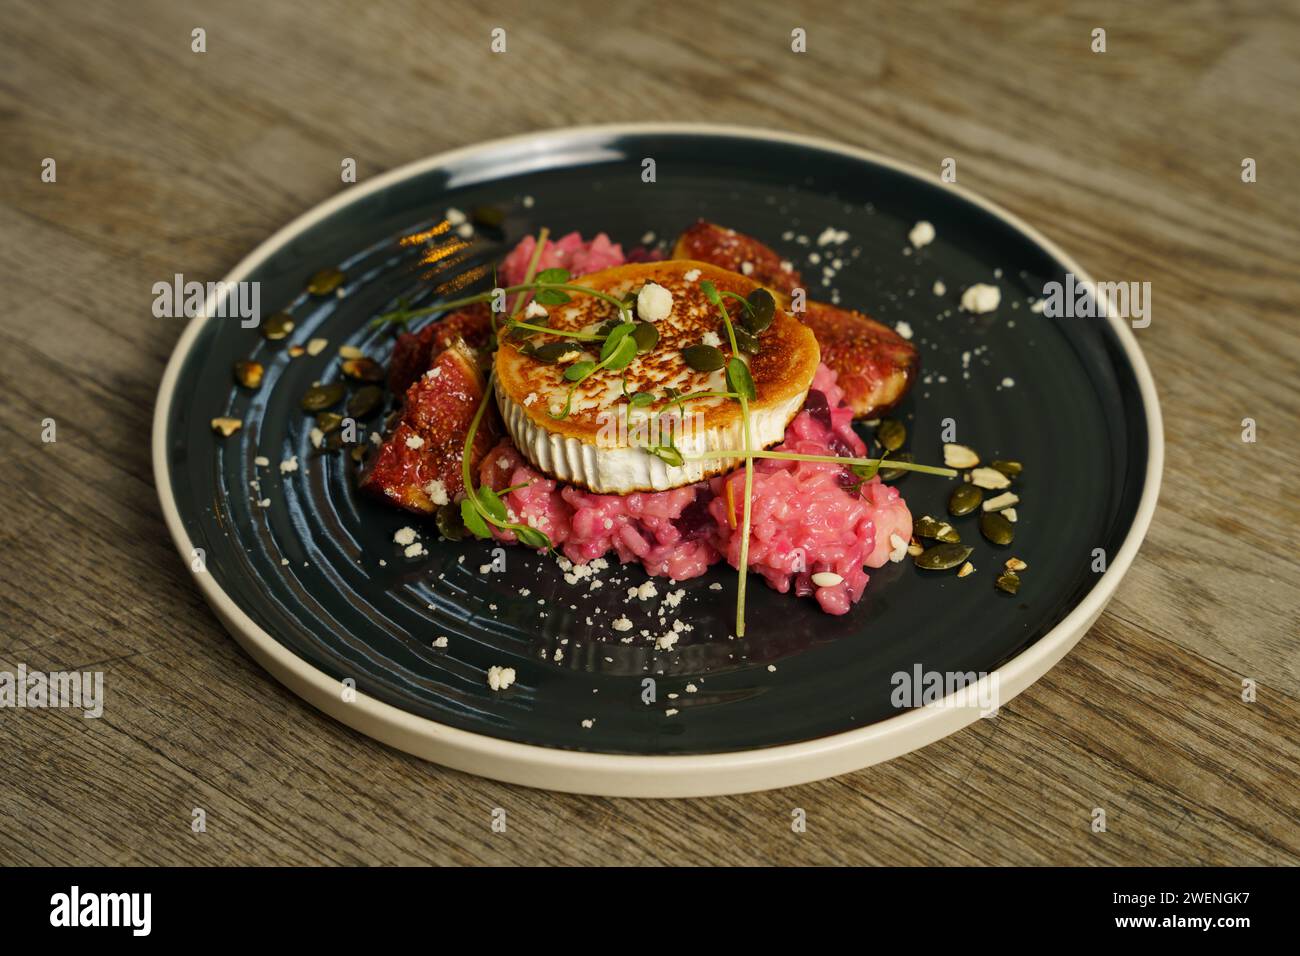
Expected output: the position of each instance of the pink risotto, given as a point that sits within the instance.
(808, 517)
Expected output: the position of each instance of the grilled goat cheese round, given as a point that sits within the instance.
(590, 434)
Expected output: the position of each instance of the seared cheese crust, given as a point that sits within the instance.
(600, 443)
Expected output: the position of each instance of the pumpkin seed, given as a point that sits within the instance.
(1015, 564)
(364, 401)
(746, 341)
(941, 557)
(895, 474)
(226, 426)
(996, 528)
(761, 311)
(249, 374)
(450, 523)
(363, 370)
(328, 421)
(989, 478)
(320, 397)
(350, 352)
(1011, 469)
(277, 326)
(739, 380)
(325, 282)
(296, 351)
(891, 434)
(965, 570)
(964, 499)
(646, 336)
(959, 456)
(1008, 581)
(928, 527)
(703, 358)
(552, 352)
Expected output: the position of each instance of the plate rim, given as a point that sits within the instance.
(631, 775)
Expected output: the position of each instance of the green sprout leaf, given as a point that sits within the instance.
(578, 371)
(553, 276)
(473, 520)
(641, 400)
(492, 503)
(739, 380)
(547, 296)
(530, 536)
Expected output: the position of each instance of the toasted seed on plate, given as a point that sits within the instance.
(826, 579)
(941, 557)
(1010, 515)
(1011, 469)
(316, 346)
(764, 310)
(363, 370)
(928, 527)
(965, 570)
(959, 456)
(450, 523)
(364, 401)
(226, 426)
(320, 397)
(249, 374)
(350, 352)
(277, 326)
(552, 352)
(964, 499)
(746, 341)
(1008, 581)
(891, 434)
(1015, 564)
(996, 528)
(325, 282)
(989, 478)
(328, 421)
(703, 358)
(296, 351)
(914, 547)
(1002, 502)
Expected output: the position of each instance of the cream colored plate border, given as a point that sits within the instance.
(619, 775)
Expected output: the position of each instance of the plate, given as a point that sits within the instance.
(315, 589)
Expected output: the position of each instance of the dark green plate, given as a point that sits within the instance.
(316, 589)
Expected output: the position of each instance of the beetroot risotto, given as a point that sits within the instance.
(817, 513)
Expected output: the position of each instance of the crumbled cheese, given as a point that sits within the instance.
(316, 346)
(654, 303)
(433, 372)
(289, 465)
(437, 492)
(261, 461)
(646, 591)
(317, 437)
(440, 641)
(415, 550)
(981, 298)
(674, 598)
(530, 398)
(528, 202)
(691, 275)
(465, 230)
(831, 235)
(1008, 382)
(404, 536)
(898, 548)
(414, 441)
(711, 338)
(621, 624)
(588, 723)
(535, 310)
(826, 579)
(454, 216)
(922, 234)
(350, 352)
(903, 329)
(1038, 306)
(715, 586)
(499, 678)
(671, 712)
(691, 688)
(747, 268)
(665, 642)
(939, 288)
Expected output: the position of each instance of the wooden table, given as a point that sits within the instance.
(174, 161)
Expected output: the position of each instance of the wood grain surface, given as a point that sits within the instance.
(173, 161)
